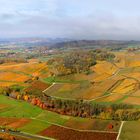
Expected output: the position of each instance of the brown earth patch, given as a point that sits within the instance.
(13, 122)
(19, 123)
(61, 133)
(38, 85)
(2, 106)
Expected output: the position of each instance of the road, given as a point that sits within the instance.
(26, 135)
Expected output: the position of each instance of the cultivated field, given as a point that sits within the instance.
(130, 131)
(108, 82)
(11, 74)
(69, 134)
(33, 120)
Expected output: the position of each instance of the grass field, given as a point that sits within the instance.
(130, 131)
(34, 127)
(17, 109)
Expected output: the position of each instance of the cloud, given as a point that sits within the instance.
(79, 19)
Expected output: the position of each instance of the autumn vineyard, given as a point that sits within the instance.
(82, 94)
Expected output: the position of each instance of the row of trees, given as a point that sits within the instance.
(9, 60)
(78, 61)
(78, 108)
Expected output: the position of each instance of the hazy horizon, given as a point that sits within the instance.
(80, 19)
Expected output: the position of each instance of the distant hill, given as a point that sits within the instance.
(62, 43)
(94, 43)
(30, 42)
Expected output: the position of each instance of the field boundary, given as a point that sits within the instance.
(48, 88)
(37, 136)
(55, 97)
(66, 127)
(120, 130)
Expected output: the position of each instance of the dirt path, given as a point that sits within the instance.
(120, 130)
(48, 87)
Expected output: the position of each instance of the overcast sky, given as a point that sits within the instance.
(78, 19)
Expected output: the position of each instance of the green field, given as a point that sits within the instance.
(42, 119)
(130, 131)
(18, 109)
(35, 126)
(21, 109)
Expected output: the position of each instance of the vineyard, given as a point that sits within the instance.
(42, 97)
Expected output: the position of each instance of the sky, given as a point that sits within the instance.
(74, 19)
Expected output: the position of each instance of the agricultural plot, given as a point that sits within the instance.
(127, 86)
(133, 60)
(136, 94)
(116, 84)
(82, 89)
(130, 131)
(135, 75)
(34, 127)
(69, 134)
(132, 100)
(36, 88)
(113, 98)
(18, 109)
(2, 106)
(93, 124)
(101, 77)
(105, 68)
(27, 68)
(11, 74)
(13, 77)
(96, 91)
(22, 115)
(67, 90)
(120, 59)
(127, 59)
(33, 120)
(13, 122)
(7, 83)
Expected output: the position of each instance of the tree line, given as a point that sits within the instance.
(9, 60)
(77, 108)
